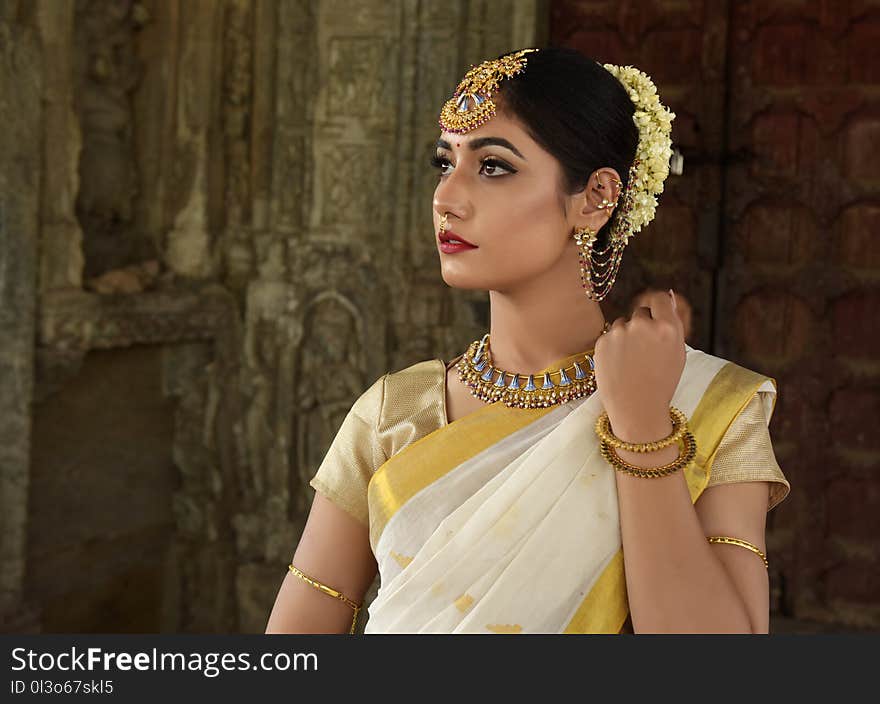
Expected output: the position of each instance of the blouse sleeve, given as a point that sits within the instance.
(745, 453)
(354, 455)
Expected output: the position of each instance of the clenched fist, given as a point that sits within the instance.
(639, 363)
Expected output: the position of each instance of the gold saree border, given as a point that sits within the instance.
(605, 608)
(423, 462)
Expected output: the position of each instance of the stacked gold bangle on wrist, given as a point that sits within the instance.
(680, 434)
(329, 591)
(679, 426)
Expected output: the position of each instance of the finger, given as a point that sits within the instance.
(660, 303)
(617, 324)
(641, 312)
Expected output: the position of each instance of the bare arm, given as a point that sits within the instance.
(677, 582)
(335, 550)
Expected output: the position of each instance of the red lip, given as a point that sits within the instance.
(447, 235)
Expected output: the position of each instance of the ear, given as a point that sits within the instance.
(599, 198)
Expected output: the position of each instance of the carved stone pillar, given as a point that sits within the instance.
(61, 258)
(21, 114)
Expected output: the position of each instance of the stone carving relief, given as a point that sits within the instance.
(294, 87)
(358, 85)
(108, 72)
(352, 179)
(291, 162)
(330, 376)
(237, 94)
(271, 339)
(272, 332)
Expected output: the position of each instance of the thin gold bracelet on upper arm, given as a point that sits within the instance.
(330, 591)
(739, 543)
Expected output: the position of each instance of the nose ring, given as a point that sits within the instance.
(443, 221)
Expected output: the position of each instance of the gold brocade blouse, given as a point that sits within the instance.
(402, 407)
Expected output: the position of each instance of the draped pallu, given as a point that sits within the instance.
(506, 520)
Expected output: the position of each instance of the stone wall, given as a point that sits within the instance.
(220, 236)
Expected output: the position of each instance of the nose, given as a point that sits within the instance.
(450, 196)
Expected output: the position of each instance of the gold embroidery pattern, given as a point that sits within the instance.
(463, 603)
(402, 560)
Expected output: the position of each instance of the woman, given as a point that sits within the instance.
(562, 475)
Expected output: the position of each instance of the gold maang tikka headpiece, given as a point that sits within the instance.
(471, 105)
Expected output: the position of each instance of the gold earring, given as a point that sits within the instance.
(584, 238)
(598, 267)
(606, 204)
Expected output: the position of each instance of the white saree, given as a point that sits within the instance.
(506, 520)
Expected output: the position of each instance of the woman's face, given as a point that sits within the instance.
(500, 190)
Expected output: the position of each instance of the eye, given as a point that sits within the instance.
(496, 164)
(441, 162)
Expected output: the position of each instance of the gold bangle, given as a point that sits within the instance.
(741, 543)
(687, 452)
(679, 426)
(329, 591)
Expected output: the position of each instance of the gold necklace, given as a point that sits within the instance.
(488, 383)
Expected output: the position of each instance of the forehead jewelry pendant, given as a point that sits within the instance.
(471, 105)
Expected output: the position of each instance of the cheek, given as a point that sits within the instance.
(520, 238)
(530, 225)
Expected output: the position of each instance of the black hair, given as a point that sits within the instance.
(575, 110)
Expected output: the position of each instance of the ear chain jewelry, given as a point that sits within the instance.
(598, 267)
(329, 591)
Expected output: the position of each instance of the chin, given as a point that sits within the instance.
(462, 281)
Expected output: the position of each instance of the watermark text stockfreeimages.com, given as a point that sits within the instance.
(209, 664)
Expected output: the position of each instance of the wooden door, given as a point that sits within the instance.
(772, 234)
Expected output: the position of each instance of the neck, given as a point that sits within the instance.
(539, 322)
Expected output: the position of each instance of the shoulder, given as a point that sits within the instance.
(414, 404)
(412, 388)
(723, 379)
(368, 406)
(428, 371)
(398, 391)
(740, 401)
(699, 361)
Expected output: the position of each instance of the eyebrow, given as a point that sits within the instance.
(475, 144)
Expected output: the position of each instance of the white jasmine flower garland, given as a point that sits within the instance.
(651, 166)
